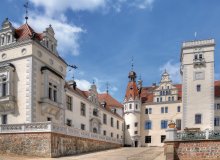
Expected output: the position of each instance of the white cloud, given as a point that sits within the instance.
(83, 84)
(67, 34)
(57, 6)
(52, 7)
(173, 69)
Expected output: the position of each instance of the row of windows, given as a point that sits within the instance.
(167, 92)
(5, 39)
(217, 106)
(135, 125)
(163, 110)
(163, 124)
(169, 99)
(148, 139)
(131, 106)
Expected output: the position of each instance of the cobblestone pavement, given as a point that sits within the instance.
(151, 153)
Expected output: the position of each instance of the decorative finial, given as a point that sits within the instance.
(140, 77)
(93, 81)
(132, 63)
(26, 6)
(107, 87)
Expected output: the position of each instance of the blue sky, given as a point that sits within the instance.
(101, 36)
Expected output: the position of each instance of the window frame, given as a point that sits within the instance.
(196, 118)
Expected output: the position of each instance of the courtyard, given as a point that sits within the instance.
(151, 153)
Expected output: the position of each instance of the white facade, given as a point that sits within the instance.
(193, 104)
(33, 86)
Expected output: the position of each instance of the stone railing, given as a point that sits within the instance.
(173, 135)
(55, 128)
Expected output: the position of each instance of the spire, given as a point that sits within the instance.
(26, 6)
(107, 87)
(132, 75)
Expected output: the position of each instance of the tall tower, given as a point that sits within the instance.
(197, 70)
(132, 108)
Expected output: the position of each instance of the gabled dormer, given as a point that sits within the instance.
(49, 40)
(93, 95)
(166, 91)
(7, 33)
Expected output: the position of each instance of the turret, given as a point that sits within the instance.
(132, 108)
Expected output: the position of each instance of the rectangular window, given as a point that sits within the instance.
(150, 110)
(136, 106)
(83, 127)
(136, 124)
(49, 119)
(162, 109)
(111, 134)
(217, 121)
(69, 122)
(147, 139)
(146, 111)
(178, 124)
(198, 88)
(69, 103)
(162, 138)
(104, 132)
(4, 119)
(128, 126)
(158, 100)
(178, 109)
(217, 106)
(117, 124)
(3, 40)
(130, 106)
(135, 132)
(83, 109)
(112, 122)
(164, 124)
(166, 109)
(50, 93)
(148, 125)
(198, 119)
(161, 99)
(104, 119)
(55, 95)
(117, 136)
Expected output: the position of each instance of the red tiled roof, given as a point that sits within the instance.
(110, 101)
(25, 32)
(132, 90)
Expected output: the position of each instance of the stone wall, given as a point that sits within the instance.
(192, 150)
(49, 144)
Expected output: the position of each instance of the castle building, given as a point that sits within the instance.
(193, 104)
(33, 86)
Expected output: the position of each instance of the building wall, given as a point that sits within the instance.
(198, 102)
(49, 144)
(155, 117)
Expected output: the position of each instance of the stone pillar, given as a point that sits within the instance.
(171, 134)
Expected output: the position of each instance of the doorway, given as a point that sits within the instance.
(136, 143)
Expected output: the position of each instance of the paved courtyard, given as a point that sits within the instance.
(152, 153)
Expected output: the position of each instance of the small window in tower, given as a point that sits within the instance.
(2, 40)
(198, 88)
(195, 56)
(200, 56)
(130, 106)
